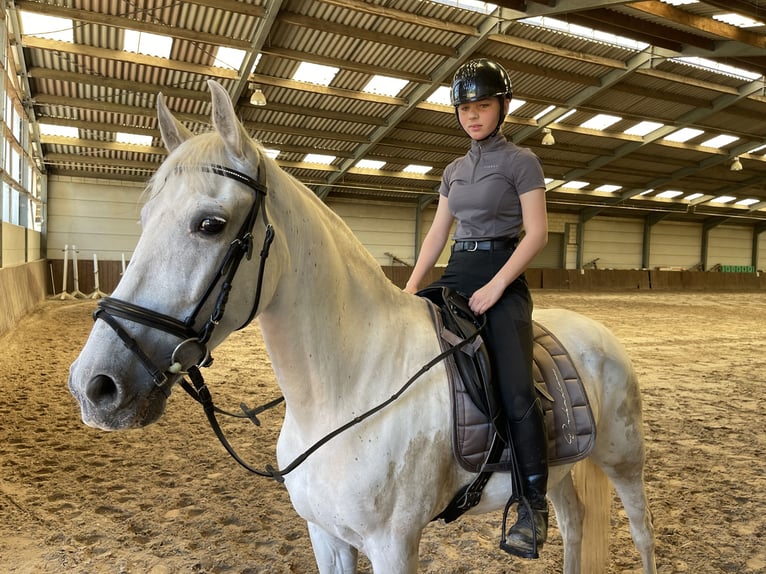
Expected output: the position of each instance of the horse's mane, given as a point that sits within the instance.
(208, 148)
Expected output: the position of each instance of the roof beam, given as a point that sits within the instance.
(701, 23)
(257, 41)
(122, 56)
(369, 36)
(93, 17)
(402, 16)
(691, 117)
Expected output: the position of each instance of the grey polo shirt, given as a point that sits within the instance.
(483, 188)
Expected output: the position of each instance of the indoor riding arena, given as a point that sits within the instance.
(647, 118)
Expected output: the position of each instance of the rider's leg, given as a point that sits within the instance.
(509, 330)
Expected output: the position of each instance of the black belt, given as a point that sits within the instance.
(503, 244)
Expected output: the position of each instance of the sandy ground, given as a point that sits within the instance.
(167, 498)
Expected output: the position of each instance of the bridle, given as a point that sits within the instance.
(110, 309)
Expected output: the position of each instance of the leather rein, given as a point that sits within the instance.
(110, 309)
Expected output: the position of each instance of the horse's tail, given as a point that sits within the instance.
(595, 493)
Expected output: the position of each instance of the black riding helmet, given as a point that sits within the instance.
(479, 79)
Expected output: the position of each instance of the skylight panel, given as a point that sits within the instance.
(147, 44)
(757, 149)
(693, 196)
(600, 122)
(472, 5)
(415, 168)
(370, 164)
(134, 139)
(683, 135)
(319, 158)
(272, 153)
(737, 20)
(748, 202)
(585, 32)
(315, 74)
(608, 188)
(229, 58)
(255, 64)
(719, 141)
(49, 27)
(385, 86)
(723, 199)
(643, 128)
(669, 194)
(59, 131)
(576, 184)
(566, 115)
(717, 67)
(545, 111)
(516, 103)
(441, 96)
(679, 2)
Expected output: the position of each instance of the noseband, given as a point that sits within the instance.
(109, 308)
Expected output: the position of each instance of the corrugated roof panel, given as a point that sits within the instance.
(547, 67)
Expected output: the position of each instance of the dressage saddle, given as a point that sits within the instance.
(479, 438)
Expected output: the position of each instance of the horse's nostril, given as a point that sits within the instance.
(101, 389)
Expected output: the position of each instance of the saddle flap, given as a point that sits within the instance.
(459, 324)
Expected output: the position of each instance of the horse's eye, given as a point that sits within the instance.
(212, 225)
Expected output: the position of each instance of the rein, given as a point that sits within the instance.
(109, 308)
(201, 394)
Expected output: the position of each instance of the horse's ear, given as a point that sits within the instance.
(226, 122)
(174, 133)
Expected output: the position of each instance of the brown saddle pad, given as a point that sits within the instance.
(568, 416)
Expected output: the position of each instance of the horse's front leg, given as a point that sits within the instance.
(333, 556)
(393, 553)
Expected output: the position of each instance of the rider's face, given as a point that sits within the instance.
(479, 118)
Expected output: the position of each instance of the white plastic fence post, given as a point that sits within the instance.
(97, 293)
(64, 294)
(76, 275)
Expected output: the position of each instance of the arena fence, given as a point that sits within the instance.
(109, 273)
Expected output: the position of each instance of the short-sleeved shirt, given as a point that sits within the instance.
(483, 188)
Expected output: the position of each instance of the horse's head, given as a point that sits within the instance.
(193, 278)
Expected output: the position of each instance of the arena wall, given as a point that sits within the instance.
(22, 288)
(97, 216)
(101, 217)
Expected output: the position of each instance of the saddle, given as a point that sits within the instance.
(476, 411)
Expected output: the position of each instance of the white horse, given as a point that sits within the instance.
(342, 339)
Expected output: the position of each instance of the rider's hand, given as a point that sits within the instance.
(483, 299)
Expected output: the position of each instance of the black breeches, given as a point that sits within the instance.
(509, 326)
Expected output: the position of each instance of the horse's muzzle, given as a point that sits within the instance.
(104, 404)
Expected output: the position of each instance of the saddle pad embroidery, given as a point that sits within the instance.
(568, 416)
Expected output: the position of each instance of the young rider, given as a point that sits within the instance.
(493, 192)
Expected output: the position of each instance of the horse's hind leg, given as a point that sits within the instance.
(569, 517)
(628, 481)
(333, 556)
(622, 459)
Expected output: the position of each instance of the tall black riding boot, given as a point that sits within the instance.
(526, 537)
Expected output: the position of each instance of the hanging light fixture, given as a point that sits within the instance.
(736, 165)
(257, 98)
(548, 137)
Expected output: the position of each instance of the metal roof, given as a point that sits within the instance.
(100, 89)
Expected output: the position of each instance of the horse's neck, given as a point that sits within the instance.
(335, 317)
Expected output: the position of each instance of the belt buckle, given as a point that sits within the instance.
(475, 246)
